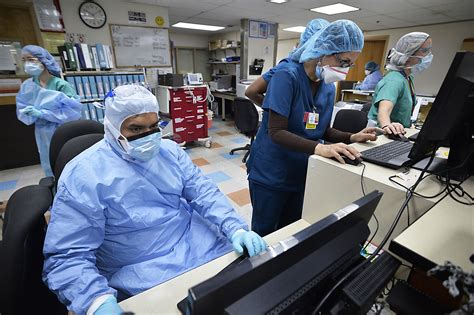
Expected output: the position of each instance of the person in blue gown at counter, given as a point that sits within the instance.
(45, 100)
(258, 88)
(133, 211)
(297, 111)
(372, 77)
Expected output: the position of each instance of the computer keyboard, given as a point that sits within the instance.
(385, 153)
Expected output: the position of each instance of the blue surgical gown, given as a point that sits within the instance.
(370, 81)
(117, 224)
(289, 94)
(57, 103)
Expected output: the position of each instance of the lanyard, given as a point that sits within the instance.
(411, 85)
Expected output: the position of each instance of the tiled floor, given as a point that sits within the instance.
(227, 171)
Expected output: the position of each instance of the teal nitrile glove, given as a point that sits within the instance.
(35, 113)
(109, 307)
(251, 240)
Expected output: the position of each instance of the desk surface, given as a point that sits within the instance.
(445, 232)
(163, 298)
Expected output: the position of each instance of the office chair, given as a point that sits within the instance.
(62, 135)
(246, 121)
(350, 120)
(21, 255)
(72, 148)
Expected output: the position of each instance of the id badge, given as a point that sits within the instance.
(311, 120)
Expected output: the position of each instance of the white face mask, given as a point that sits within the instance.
(332, 74)
(367, 72)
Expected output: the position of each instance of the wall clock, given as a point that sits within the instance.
(92, 14)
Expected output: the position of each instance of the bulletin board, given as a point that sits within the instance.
(140, 46)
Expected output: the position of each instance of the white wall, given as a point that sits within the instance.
(189, 40)
(447, 39)
(234, 35)
(285, 46)
(117, 13)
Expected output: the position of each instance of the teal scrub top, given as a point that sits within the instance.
(394, 87)
(58, 84)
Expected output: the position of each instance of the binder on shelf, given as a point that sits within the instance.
(124, 79)
(100, 86)
(112, 82)
(100, 114)
(76, 56)
(141, 78)
(108, 56)
(130, 78)
(63, 53)
(71, 81)
(85, 112)
(92, 112)
(80, 87)
(93, 87)
(96, 58)
(71, 56)
(118, 80)
(87, 56)
(82, 62)
(87, 88)
(136, 79)
(101, 55)
(106, 84)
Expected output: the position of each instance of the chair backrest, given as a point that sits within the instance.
(245, 116)
(21, 255)
(350, 120)
(70, 130)
(72, 148)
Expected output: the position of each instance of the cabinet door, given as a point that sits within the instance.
(201, 64)
(184, 60)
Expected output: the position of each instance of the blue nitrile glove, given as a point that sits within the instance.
(251, 240)
(109, 307)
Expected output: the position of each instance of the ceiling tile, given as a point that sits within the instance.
(384, 20)
(422, 16)
(459, 11)
(382, 6)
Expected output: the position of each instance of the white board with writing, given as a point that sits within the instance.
(140, 46)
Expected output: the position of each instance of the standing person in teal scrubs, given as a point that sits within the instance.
(45, 100)
(394, 97)
(297, 111)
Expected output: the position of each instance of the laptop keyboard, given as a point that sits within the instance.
(388, 151)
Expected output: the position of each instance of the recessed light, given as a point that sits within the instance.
(296, 29)
(335, 9)
(277, 1)
(201, 27)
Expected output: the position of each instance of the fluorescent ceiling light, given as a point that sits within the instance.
(335, 9)
(277, 1)
(296, 29)
(201, 27)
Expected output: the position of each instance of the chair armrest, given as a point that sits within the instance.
(47, 181)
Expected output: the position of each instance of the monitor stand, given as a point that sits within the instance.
(437, 166)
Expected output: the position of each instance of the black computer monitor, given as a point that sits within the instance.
(294, 274)
(451, 119)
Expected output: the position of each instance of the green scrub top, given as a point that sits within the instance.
(58, 84)
(394, 87)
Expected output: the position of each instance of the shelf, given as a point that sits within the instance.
(223, 63)
(86, 72)
(224, 48)
(92, 100)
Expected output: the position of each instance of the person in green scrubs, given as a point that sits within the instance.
(45, 100)
(394, 97)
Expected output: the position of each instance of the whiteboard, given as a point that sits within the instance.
(140, 46)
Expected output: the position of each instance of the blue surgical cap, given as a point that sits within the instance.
(337, 37)
(45, 57)
(123, 102)
(312, 28)
(371, 66)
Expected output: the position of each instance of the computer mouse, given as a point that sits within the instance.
(398, 137)
(354, 162)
